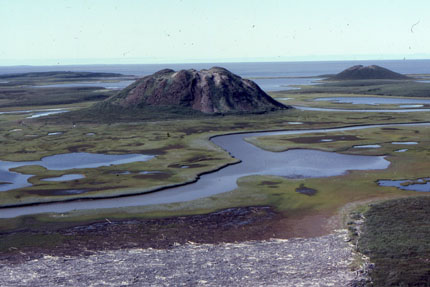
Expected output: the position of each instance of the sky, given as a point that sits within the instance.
(49, 32)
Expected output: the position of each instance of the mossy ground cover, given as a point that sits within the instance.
(396, 238)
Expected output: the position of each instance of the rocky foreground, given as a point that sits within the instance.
(320, 261)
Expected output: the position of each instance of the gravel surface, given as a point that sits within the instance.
(320, 261)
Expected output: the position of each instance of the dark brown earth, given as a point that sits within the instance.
(216, 90)
(230, 225)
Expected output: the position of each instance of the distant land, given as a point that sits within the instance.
(60, 74)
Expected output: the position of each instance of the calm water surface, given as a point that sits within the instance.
(420, 186)
(290, 164)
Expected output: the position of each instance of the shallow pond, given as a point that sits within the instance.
(373, 100)
(422, 185)
(65, 177)
(107, 85)
(66, 161)
(291, 164)
(406, 143)
(367, 146)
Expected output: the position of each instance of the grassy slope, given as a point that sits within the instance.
(396, 238)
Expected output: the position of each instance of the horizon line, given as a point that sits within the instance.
(117, 61)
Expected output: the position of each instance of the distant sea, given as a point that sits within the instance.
(293, 70)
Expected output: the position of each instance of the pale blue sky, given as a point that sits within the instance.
(133, 31)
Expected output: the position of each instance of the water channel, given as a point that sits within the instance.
(297, 163)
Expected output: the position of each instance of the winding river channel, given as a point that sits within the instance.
(298, 163)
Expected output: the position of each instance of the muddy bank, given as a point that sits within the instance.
(229, 225)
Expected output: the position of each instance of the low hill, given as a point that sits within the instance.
(215, 90)
(361, 72)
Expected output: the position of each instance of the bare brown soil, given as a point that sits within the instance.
(229, 225)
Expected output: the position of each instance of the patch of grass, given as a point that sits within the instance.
(16, 241)
(396, 238)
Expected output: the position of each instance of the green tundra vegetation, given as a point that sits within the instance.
(395, 236)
